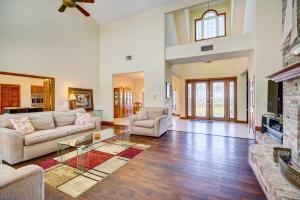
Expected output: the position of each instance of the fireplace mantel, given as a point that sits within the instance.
(287, 73)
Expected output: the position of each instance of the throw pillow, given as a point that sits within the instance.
(142, 115)
(22, 125)
(82, 118)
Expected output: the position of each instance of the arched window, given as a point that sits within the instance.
(211, 25)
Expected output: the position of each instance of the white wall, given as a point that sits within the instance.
(250, 17)
(36, 39)
(223, 48)
(145, 42)
(25, 86)
(139, 91)
(268, 55)
(237, 16)
(216, 69)
(143, 37)
(171, 32)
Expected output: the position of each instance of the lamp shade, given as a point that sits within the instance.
(72, 97)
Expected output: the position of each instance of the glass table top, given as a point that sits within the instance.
(93, 138)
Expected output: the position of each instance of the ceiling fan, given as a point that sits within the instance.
(73, 4)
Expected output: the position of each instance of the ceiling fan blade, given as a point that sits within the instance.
(82, 10)
(86, 1)
(62, 8)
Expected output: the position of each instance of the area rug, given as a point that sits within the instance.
(101, 161)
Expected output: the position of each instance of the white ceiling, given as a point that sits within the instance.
(107, 11)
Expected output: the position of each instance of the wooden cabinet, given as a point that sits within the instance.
(128, 95)
(37, 96)
(118, 102)
(37, 89)
(123, 98)
(10, 96)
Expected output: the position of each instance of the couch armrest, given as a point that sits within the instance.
(25, 183)
(132, 119)
(161, 125)
(11, 145)
(97, 122)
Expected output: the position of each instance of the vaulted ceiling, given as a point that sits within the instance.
(106, 11)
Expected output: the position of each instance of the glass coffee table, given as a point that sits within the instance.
(79, 147)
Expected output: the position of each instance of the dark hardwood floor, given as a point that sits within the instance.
(178, 165)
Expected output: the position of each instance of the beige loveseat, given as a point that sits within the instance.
(51, 128)
(157, 123)
(25, 183)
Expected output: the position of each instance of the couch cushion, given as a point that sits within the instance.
(142, 115)
(45, 135)
(41, 120)
(144, 123)
(4, 121)
(65, 118)
(74, 129)
(155, 113)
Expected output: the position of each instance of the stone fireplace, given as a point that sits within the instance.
(291, 117)
(270, 175)
(290, 76)
(261, 158)
(291, 107)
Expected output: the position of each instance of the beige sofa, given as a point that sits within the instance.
(51, 128)
(25, 183)
(157, 123)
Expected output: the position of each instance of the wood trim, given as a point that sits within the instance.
(175, 114)
(186, 101)
(218, 14)
(118, 126)
(287, 73)
(209, 91)
(235, 99)
(210, 79)
(241, 122)
(107, 123)
(25, 75)
(52, 79)
(258, 128)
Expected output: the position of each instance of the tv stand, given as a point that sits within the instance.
(272, 126)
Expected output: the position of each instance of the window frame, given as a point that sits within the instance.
(201, 19)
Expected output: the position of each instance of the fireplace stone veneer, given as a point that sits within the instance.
(291, 117)
(274, 184)
(290, 76)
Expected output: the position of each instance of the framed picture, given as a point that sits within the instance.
(168, 90)
(81, 98)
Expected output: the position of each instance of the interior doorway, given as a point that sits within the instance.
(26, 91)
(128, 94)
(212, 99)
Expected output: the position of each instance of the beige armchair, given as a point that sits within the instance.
(157, 122)
(26, 183)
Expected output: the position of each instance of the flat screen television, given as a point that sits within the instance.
(275, 97)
